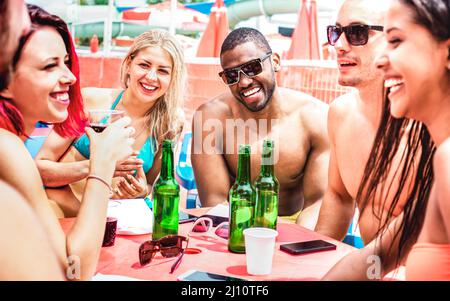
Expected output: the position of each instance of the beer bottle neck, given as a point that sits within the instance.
(243, 174)
(267, 170)
(267, 162)
(167, 172)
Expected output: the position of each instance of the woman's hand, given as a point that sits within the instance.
(112, 145)
(130, 187)
(128, 166)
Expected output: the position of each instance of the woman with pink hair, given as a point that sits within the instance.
(45, 87)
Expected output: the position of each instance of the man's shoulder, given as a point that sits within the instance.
(297, 96)
(310, 111)
(344, 101)
(218, 106)
(302, 102)
(342, 105)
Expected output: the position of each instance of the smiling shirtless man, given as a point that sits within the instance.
(253, 109)
(353, 121)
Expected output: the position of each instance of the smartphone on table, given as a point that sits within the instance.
(186, 218)
(307, 247)
(195, 275)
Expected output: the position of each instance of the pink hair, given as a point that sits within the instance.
(10, 117)
(74, 125)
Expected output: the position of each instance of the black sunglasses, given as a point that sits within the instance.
(357, 34)
(168, 246)
(250, 69)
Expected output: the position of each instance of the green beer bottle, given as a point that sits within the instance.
(242, 202)
(166, 196)
(267, 187)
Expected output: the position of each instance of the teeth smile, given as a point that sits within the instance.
(147, 87)
(63, 96)
(393, 84)
(394, 89)
(251, 92)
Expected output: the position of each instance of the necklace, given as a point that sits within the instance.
(142, 128)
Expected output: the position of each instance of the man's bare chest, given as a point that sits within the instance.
(290, 159)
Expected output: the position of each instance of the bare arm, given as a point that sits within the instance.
(315, 173)
(85, 238)
(210, 170)
(54, 173)
(373, 261)
(139, 185)
(153, 173)
(338, 206)
(20, 229)
(23, 176)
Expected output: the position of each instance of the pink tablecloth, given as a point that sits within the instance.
(211, 255)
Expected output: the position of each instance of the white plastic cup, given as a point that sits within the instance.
(259, 248)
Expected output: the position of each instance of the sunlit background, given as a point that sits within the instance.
(275, 18)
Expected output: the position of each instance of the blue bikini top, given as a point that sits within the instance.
(146, 153)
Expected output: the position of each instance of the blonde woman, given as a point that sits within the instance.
(153, 76)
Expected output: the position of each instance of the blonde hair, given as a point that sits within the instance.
(165, 119)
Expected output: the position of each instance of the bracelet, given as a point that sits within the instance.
(101, 180)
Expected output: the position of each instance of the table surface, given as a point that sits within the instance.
(211, 254)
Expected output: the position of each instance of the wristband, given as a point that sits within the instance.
(101, 180)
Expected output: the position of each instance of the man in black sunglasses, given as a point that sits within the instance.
(296, 121)
(354, 118)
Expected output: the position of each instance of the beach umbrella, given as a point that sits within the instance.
(314, 44)
(300, 45)
(215, 32)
